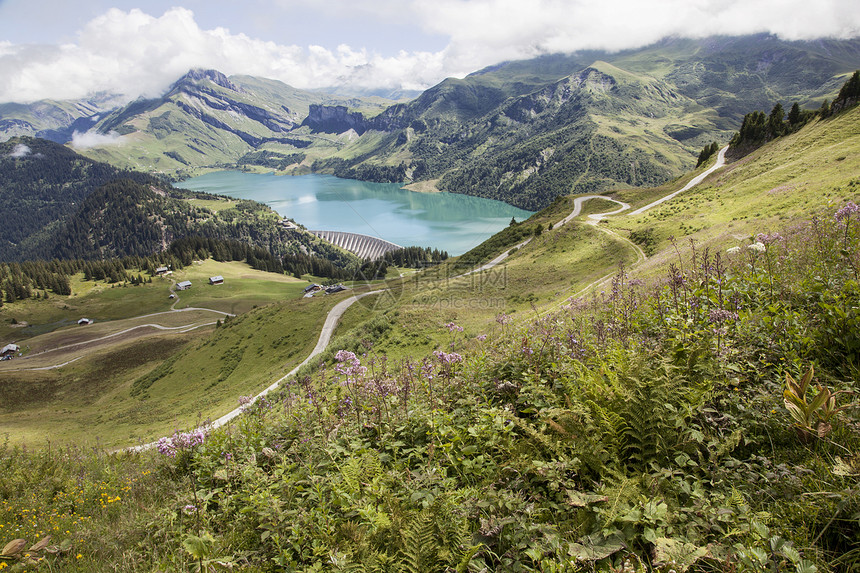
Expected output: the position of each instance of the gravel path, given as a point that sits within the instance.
(326, 333)
(595, 218)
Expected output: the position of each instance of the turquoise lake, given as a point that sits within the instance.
(446, 221)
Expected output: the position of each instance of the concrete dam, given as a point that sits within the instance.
(364, 246)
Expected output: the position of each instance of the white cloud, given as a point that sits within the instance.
(20, 150)
(486, 31)
(134, 53)
(84, 140)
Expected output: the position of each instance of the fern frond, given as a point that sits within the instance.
(420, 551)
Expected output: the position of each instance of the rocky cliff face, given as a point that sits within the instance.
(335, 119)
(193, 79)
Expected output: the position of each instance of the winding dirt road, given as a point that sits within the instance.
(326, 333)
(595, 218)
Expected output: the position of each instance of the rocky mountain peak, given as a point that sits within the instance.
(195, 76)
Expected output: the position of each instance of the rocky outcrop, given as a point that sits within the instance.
(335, 119)
(193, 78)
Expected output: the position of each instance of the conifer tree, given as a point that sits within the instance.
(850, 89)
(794, 115)
(774, 121)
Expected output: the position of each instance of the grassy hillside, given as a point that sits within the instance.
(149, 380)
(633, 424)
(787, 180)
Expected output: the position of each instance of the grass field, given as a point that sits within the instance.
(244, 288)
(181, 375)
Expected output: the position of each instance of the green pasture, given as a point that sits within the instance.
(795, 177)
(178, 379)
(243, 289)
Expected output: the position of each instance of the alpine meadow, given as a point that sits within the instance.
(657, 371)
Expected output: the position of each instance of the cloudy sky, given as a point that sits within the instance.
(62, 50)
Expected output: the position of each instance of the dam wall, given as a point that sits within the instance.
(364, 246)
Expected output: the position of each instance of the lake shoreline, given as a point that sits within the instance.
(419, 215)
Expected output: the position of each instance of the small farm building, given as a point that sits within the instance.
(184, 285)
(9, 350)
(218, 280)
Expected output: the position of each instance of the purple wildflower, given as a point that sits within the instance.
(349, 365)
(719, 315)
(447, 357)
(526, 349)
(453, 327)
(165, 447)
(481, 337)
(766, 239)
(180, 441)
(846, 211)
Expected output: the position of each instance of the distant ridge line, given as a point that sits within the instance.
(364, 246)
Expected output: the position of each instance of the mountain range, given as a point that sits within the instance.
(524, 132)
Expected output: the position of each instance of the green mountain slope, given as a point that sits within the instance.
(62, 205)
(614, 120)
(55, 120)
(208, 120)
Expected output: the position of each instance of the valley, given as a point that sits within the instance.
(652, 368)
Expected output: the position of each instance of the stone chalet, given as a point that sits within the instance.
(184, 285)
(216, 280)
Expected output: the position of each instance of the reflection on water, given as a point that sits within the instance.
(448, 221)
